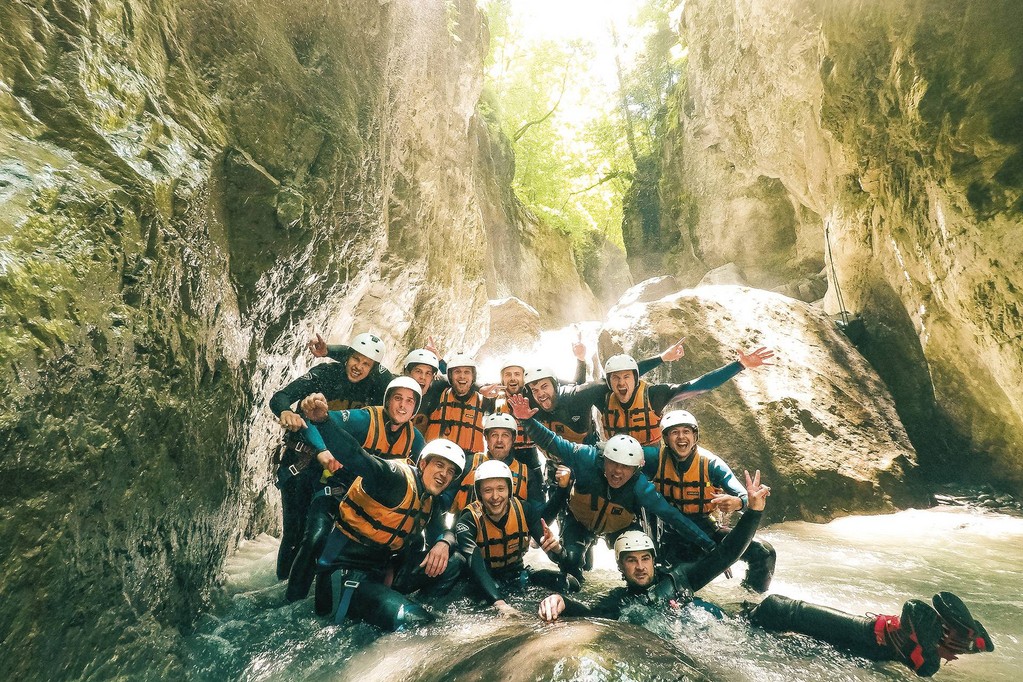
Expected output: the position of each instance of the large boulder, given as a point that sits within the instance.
(819, 423)
(514, 327)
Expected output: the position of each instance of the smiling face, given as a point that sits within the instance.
(623, 383)
(423, 375)
(461, 379)
(681, 440)
(637, 567)
(543, 393)
(358, 367)
(617, 474)
(511, 377)
(437, 474)
(401, 405)
(494, 493)
(499, 442)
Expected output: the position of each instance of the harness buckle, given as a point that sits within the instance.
(351, 584)
(328, 491)
(293, 470)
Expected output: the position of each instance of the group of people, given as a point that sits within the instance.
(394, 485)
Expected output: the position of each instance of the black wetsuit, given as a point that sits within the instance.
(677, 586)
(373, 601)
(496, 583)
(296, 479)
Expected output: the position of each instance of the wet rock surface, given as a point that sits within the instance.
(892, 131)
(819, 423)
(184, 186)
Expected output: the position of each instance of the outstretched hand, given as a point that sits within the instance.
(578, 347)
(431, 346)
(317, 346)
(491, 390)
(674, 352)
(291, 421)
(551, 608)
(549, 543)
(314, 406)
(759, 357)
(520, 407)
(757, 493)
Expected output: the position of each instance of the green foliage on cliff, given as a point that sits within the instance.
(580, 111)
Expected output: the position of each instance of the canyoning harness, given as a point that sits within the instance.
(304, 454)
(344, 584)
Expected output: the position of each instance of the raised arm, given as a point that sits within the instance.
(570, 453)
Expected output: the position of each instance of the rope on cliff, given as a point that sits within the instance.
(851, 325)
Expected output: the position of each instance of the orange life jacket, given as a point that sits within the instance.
(566, 431)
(505, 546)
(599, 514)
(460, 421)
(467, 490)
(371, 523)
(345, 404)
(376, 442)
(691, 490)
(638, 420)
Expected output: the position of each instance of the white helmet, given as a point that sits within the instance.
(500, 420)
(620, 363)
(678, 418)
(534, 373)
(442, 447)
(514, 362)
(421, 356)
(461, 359)
(404, 382)
(493, 468)
(633, 541)
(624, 450)
(369, 345)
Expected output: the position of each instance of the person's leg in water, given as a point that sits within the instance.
(319, 522)
(920, 637)
(577, 540)
(379, 605)
(296, 494)
(411, 577)
(760, 558)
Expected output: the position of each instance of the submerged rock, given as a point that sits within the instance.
(819, 423)
(574, 649)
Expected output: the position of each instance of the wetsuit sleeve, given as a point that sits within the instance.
(321, 435)
(653, 502)
(722, 477)
(708, 567)
(584, 396)
(381, 479)
(570, 453)
(534, 484)
(338, 351)
(609, 606)
(489, 405)
(580, 371)
(465, 531)
(649, 364)
(437, 529)
(308, 383)
(694, 387)
(651, 458)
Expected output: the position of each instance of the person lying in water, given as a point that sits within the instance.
(920, 637)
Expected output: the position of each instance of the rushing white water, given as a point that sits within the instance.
(858, 564)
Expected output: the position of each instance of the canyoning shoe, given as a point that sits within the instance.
(962, 633)
(913, 637)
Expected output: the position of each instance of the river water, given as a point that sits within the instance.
(858, 564)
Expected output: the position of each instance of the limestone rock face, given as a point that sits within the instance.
(184, 187)
(819, 423)
(891, 130)
(514, 327)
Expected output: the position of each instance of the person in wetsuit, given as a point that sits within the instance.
(500, 430)
(493, 534)
(919, 638)
(648, 583)
(632, 406)
(355, 380)
(608, 491)
(698, 483)
(377, 547)
(385, 431)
